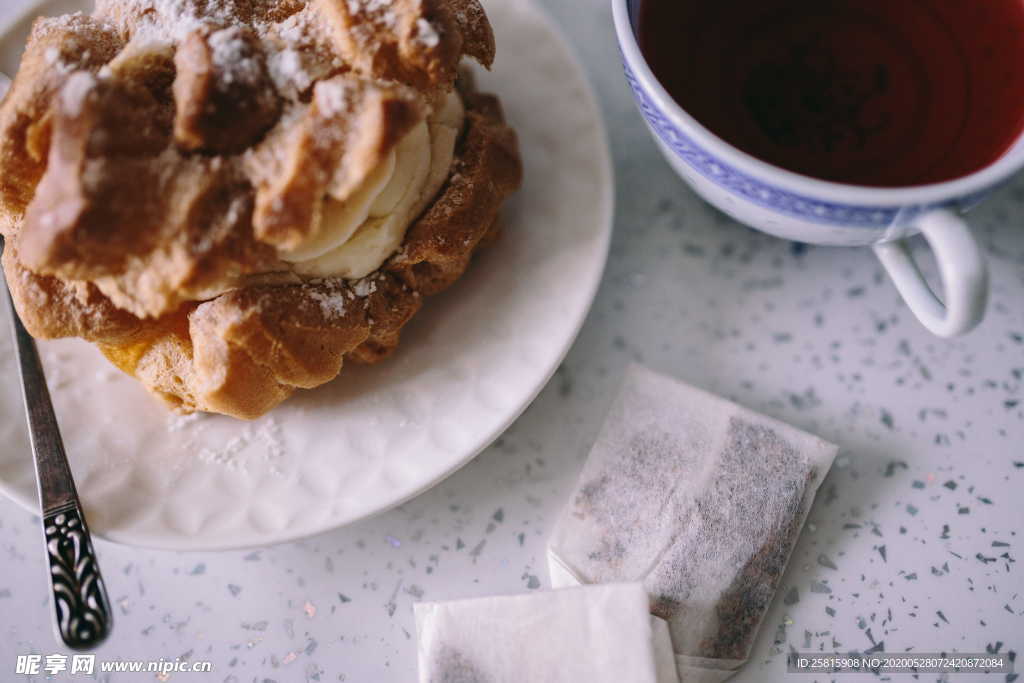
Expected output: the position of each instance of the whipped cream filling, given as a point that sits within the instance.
(359, 233)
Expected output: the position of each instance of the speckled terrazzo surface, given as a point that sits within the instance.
(912, 542)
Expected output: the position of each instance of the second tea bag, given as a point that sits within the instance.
(701, 500)
(591, 634)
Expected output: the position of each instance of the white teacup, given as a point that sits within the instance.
(805, 209)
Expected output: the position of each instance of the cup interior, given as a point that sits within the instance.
(864, 92)
(984, 174)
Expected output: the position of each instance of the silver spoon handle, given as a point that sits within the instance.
(80, 601)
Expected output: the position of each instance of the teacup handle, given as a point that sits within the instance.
(961, 267)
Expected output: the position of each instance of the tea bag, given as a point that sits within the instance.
(598, 634)
(699, 499)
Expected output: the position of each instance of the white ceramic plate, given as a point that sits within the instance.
(468, 365)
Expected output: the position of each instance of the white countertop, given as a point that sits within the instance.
(913, 539)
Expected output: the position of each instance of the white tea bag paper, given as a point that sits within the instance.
(702, 501)
(598, 634)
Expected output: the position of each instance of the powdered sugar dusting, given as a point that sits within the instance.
(295, 30)
(288, 72)
(234, 57)
(169, 20)
(364, 287)
(331, 97)
(46, 26)
(379, 11)
(227, 454)
(370, 6)
(176, 423)
(75, 92)
(269, 435)
(263, 440)
(290, 43)
(426, 34)
(56, 60)
(331, 302)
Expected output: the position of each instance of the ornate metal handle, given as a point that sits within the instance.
(79, 596)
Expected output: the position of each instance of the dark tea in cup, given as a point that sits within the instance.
(883, 93)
